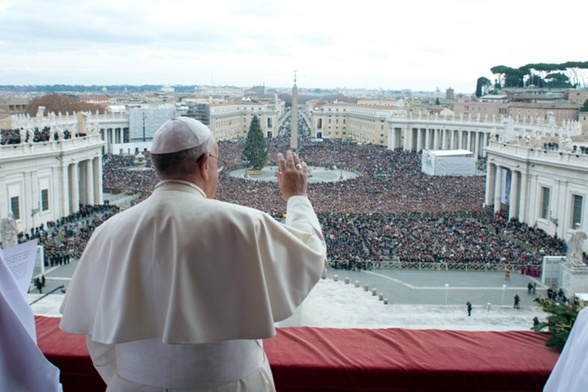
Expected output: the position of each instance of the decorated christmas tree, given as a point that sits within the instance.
(255, 151)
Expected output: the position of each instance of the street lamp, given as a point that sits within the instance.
(503, 291)
(143, 125)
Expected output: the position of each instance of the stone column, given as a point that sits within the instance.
(523, 198)
(485, 144)
(64, 191)
(74, 202)
(392, 139)
(427, 138)
(490, 181)
(443, 139)
(97, 167)
(435, 139)
(469, 141)
(497, 188)
(407, 139)
(455, 139)
(419, 139)
(513, 208)
(89, 180)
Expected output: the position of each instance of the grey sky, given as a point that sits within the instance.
(419, 45)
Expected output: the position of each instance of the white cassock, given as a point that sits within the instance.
(23, 367)
(570, 373)
(177, 291)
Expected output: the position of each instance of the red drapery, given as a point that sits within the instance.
(329, 359)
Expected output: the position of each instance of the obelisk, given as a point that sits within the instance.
(294, 120)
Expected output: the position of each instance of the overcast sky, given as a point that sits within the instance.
(418, 45)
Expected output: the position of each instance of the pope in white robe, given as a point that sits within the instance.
(177, 292)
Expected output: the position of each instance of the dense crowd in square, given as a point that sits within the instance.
(392, 211)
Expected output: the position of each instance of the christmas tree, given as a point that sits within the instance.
(255, 152)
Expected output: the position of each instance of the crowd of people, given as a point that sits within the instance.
(36, 135)
(403, 215)
(66, 238)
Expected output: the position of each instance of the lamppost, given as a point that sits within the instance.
(503, 292)
(143, 125)
(555, 221)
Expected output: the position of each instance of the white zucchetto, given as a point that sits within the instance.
(178, 134)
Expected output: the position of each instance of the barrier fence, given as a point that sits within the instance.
(532, 270)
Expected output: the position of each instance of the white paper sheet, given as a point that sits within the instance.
(20, 260)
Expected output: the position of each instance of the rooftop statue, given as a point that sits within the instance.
(9, 231)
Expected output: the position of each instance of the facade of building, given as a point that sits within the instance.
(577, 97)
(545, 188)
(362, 123)
(561, 112)
(42, 181)
(583, 120)
(562, 104)
(491, 105)
(144, 121)
(231, 121)
(397, 128)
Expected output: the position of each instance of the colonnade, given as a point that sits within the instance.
(113, 136)
(439, 139)
(517, 191)
(81, 184)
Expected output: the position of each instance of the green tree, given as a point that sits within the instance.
(584, 107)
(559, 323)
(482, 86)
(255, 152)
(557, 80)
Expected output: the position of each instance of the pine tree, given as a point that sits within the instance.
(560, 322)
(255, 152)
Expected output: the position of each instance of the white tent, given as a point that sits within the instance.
(448, 163)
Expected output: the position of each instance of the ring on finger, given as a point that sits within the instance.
(298, 166)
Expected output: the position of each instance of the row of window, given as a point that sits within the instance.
(577, 204)
(15, 203)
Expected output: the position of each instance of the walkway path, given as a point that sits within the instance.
(417, 299)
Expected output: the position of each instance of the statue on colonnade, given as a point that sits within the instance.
(9, 231)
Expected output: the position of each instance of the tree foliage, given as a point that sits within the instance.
(584, 107)
(565, 75)
(482, 86)
(61, 103)
(255, 151)
(559, 323)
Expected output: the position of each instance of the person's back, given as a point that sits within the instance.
(182, 281)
